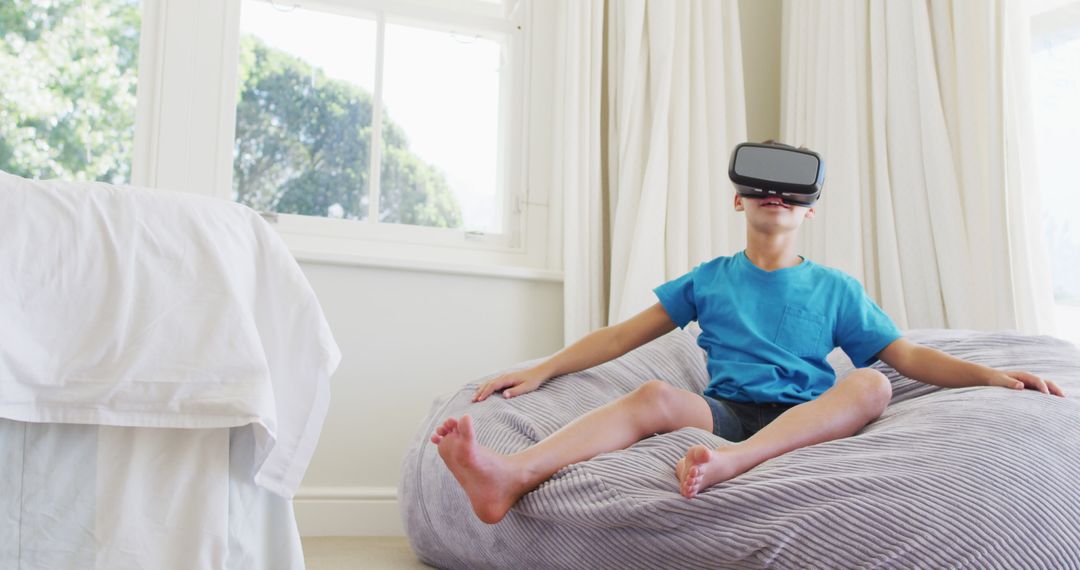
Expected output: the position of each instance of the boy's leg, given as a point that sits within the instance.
(494, 482)
(854, 401)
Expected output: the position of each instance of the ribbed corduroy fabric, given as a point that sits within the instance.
(970, 477)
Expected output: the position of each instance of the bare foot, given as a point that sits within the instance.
(492, 482)
(702, 468)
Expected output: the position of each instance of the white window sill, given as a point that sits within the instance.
(412, 248)
(426, 266)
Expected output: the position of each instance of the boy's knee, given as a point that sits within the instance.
(652, 391)
(658, 401)
(655, 396)
(872, 388)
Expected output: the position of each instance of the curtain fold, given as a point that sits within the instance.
(675, 92)
(578, 163)
(670, 108)
(920, 111)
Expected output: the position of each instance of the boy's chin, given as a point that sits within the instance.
(776, 223)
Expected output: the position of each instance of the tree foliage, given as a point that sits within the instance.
(302, 147)
(68, 77)
(68, 74)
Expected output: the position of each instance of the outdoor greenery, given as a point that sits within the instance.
(302, 147)
(68, 75)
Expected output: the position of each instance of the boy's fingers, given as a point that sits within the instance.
(519, 390)
(1040, 385)
(488, 388)
(1031, 380)
(479, 393)
(1011, 383)
(491, 387)
(1054, 388)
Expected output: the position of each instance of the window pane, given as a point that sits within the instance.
(303, 116)
(441, 130)
(1056, 98)
(68, 72)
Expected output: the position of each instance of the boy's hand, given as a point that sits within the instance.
(512, 384)
(1019, 380)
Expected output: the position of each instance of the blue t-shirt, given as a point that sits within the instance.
(767, 333)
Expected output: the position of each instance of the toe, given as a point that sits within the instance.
(466, 426)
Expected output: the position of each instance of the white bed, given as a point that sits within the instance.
(164, 377)
(80, 496)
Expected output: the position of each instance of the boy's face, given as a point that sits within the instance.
(772, 215)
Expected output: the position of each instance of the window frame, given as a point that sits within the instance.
(181, 148)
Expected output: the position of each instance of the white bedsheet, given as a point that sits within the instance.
(116, 498)
(122, 306)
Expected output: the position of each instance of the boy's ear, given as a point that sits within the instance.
(738, 203)
(810, 212)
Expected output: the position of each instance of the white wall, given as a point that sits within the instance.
(406, 337)
(760, 25)
(409, 336)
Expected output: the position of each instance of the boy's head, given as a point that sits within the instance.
(777, 184)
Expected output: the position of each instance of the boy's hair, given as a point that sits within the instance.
(778, 143)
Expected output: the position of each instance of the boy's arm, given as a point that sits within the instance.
(594, 348)
(932, 366)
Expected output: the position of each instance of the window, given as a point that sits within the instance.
(304, 111)
(377, 116)
(68, 73)
(1056, 100)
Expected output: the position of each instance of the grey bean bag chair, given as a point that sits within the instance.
(971, 477)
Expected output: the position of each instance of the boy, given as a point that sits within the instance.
(768, 318)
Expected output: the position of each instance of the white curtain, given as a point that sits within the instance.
(920, 110)
(578, 75)
(649, 185)
(675, 95)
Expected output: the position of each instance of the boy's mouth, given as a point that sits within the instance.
(772, 202)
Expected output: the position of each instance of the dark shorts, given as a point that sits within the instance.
(736, 421)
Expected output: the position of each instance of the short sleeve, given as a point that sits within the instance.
(677, 297)
(863, 329)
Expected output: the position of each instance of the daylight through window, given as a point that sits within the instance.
(1056, 99)
(308, 117)
(68, 73)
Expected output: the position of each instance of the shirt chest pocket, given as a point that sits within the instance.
(801, 332)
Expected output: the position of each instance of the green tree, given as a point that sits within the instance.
(68, 72)
(302, 147)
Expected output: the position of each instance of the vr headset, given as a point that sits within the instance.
(762, 170)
